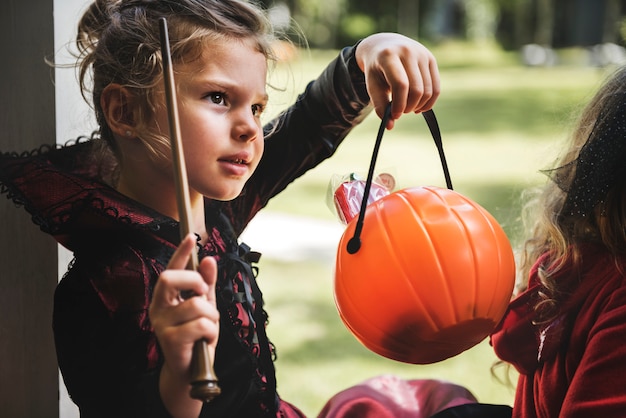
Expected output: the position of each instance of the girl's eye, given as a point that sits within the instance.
(217, 98)
(257, 109)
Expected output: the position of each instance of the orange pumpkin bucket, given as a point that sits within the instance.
(424, 273)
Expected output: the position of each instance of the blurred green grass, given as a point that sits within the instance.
(501, 123)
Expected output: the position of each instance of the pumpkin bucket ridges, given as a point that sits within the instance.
(406, 267)
(433, 276)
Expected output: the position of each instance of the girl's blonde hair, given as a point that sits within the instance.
(118, 42)
(559, 231)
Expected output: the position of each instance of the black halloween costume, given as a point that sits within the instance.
(107, 351)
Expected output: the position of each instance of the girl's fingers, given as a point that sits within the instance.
(410, 90)
(177, 341)
(409, 93)
(192, 331)
(176, 279)
(172, 283)
(401, 70)
(182, 254)
(208, 271)
(431, 86)
(193, 309)
(178, 322)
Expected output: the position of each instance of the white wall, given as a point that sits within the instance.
(73, 118)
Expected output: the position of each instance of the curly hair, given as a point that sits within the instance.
(560, 232)
(118, 42)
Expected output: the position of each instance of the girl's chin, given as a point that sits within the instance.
(223, 192)
(225, 196)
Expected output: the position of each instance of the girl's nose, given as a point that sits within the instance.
(246, 127)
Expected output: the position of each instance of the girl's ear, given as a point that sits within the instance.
(117, 105)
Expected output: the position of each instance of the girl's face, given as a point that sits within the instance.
(220, 100)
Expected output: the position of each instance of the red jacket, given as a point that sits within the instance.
(574, 367)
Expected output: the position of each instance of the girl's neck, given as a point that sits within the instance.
(161, 197)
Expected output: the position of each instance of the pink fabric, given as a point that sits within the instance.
(287, 410)
(391, 397)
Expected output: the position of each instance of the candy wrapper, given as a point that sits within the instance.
(346, 193)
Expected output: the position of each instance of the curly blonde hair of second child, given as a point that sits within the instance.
(560, 234)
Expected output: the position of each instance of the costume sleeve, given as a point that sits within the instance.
(306, 133)
(105, 348)
(597, 387)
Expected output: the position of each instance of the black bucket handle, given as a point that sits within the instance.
(354, 244)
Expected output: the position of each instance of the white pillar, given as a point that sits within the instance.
(73, 118)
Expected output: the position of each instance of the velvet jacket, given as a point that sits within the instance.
(107, 352)
(575, 366)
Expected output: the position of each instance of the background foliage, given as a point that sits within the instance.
(510, 23)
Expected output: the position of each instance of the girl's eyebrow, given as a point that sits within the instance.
(223, 84)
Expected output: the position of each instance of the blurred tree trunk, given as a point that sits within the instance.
(319, 21)
(408, 18)
(545, 23)
(612, 16)
(482, 17)
(534, 22)
(522, 12)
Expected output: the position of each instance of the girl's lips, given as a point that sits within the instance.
(238, 158)
(234, 167)
(237, 164)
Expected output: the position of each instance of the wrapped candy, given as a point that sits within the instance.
(347, 193)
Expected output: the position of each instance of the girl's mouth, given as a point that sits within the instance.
(238, 161)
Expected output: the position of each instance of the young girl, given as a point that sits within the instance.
(123, 335)
(565, 334)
